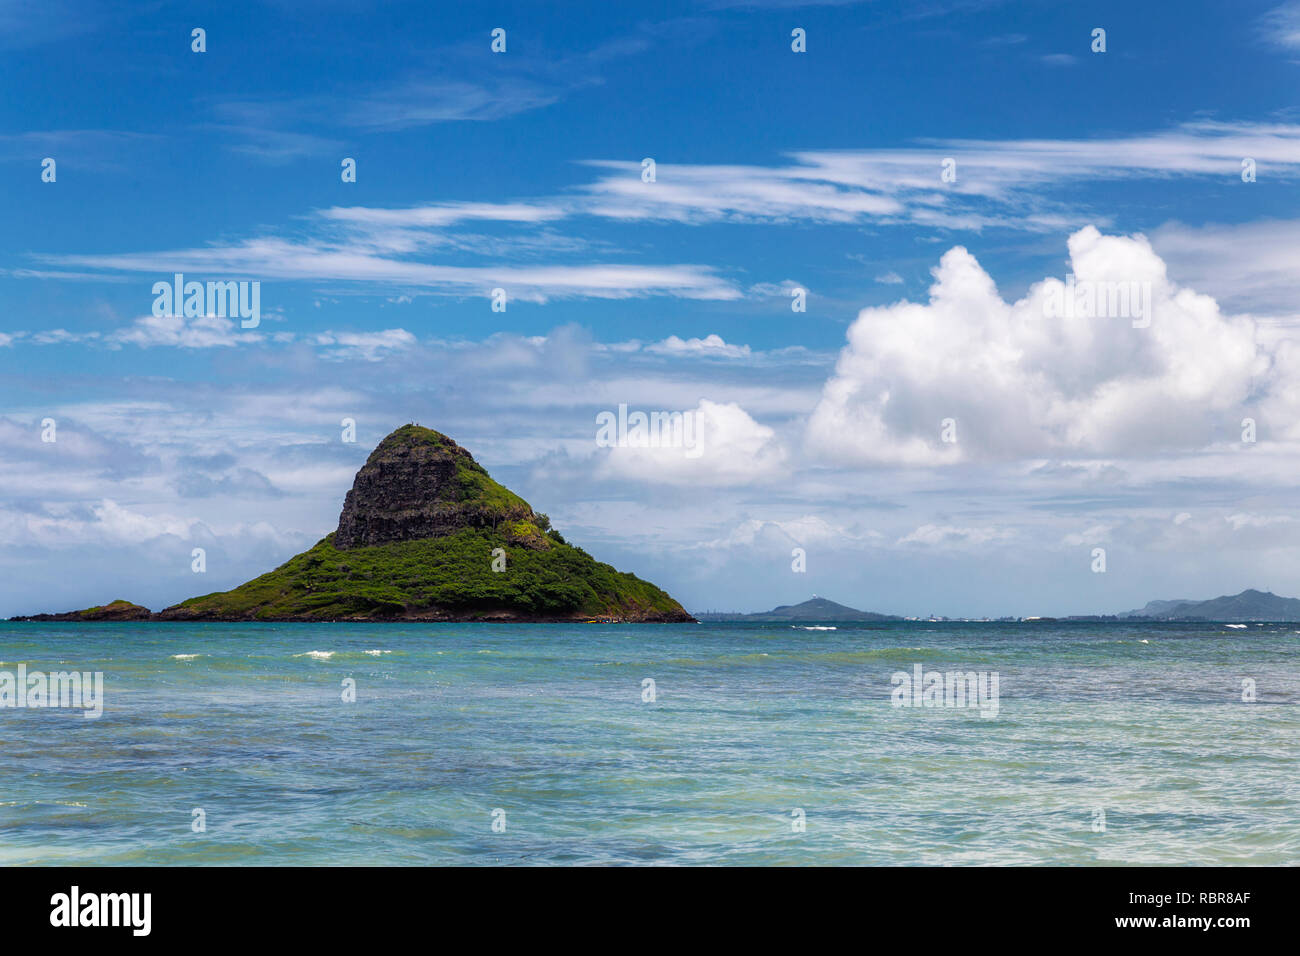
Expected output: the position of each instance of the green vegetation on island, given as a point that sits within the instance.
(440, 578)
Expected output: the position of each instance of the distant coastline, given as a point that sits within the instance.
(127, 612)
(1249, 607)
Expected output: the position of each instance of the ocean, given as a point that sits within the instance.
(1109, 744)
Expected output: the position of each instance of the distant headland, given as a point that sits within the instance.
(1248, 606)
(425, 535)
(817, 610)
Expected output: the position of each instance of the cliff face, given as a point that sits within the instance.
(427, 535)
(419, 483)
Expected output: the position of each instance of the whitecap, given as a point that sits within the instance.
(185, 657)
(317, 655)
(377, 653)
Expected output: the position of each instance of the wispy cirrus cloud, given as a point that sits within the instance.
(25, 24)
(995, 181)
(1281, 26)
(319, 261)
(276, 147)
(449, 85)
(435, 215)
(98, 148)
(1015, 184)
(998, 182)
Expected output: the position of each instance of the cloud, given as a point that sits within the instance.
(1250, 265)
(78, 452)
(775, 290)
(104, 523)
(1279, 413)
(1212, 531)
(443, 214)
(1019, 382)
(890, 278)
(235, 482)
(721, 445)
(948, 536)
(999, 182)
(1006, 39)
(1281, 25)
(282, 259)
(711, 346)
(199, 332)
(445, 85)
(25, 24)
(804, 530)
(1009, 184)
(743, 193)
(370, 346)
(1093, 534)
(277, 147)
(425, 102)
(94, 148)
(211, 331)
(130, 526)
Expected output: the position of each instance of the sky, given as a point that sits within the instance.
(934, 432)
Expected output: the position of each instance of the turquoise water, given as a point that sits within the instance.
(547, 722)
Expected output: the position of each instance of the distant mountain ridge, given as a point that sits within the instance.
(816, 609)
(1249, 605)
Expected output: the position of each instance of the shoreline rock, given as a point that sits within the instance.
(118, 610)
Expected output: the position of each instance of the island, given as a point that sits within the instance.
(817, 610)
(426, 534)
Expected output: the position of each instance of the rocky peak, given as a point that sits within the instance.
(418, 483)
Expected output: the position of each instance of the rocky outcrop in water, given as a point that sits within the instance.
(114, 611)
(426, 535)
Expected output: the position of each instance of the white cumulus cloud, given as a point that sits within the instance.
(1021, 379)
(711, 345)
(200, 332)
(725, 446)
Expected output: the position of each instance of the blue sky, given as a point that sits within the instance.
(775, 170)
